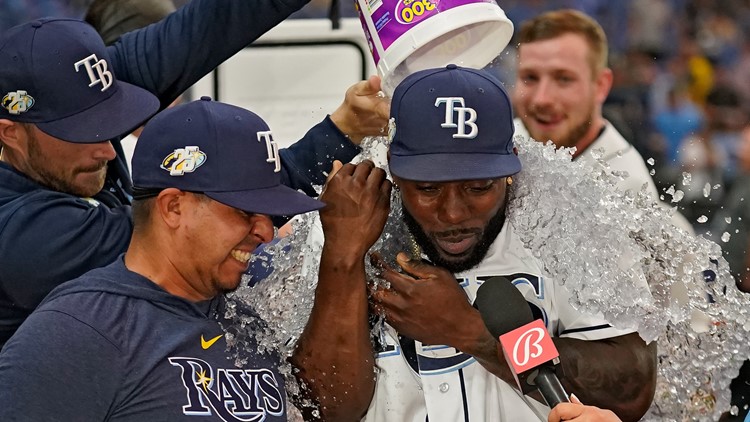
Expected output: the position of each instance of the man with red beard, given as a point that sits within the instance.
(562, 81)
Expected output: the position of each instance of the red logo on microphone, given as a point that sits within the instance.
(528, 346)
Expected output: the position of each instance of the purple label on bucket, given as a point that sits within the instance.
(393, 18)
(368, 36)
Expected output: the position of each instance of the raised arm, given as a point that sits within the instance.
(168, 57)
(364, 112)
(334, 354)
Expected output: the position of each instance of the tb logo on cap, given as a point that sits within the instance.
(272, 148)
(102, 76)
(466, 116)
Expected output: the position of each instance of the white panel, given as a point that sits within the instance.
(293, 87)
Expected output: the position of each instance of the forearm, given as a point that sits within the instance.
(334, 354)
(307, 161)
(617, 374)
(486, 350)
(479, 343)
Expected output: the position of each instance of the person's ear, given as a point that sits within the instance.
(170, 206)
(12, 135)
(604, 85)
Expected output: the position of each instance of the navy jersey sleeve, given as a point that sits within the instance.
(307, 162)
(168, 57)
(57, 368)
(54, 238)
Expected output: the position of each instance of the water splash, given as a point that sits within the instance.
(687, 178)
(665, 283)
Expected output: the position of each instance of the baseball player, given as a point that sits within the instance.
(452, 160)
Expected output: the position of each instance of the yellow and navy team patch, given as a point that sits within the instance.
(17, 102)
(183, 160)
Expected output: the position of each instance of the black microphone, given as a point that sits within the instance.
(527, 346)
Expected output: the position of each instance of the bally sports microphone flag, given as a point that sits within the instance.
(527, 347)
(532, 357)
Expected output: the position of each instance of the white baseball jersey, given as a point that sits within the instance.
(419, 383)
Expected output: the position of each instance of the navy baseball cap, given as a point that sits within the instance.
(450, 124)
(56, 74)
(220, 150)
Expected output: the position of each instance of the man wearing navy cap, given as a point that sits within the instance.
(66, 99)
(452, 159)
(140, 339)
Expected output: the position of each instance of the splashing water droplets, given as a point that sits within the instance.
(557, 206)
(687, 178)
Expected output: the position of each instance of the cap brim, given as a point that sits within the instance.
(276, 200)
(451, 167)
(118, 115)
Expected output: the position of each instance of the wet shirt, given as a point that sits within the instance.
(418, 382)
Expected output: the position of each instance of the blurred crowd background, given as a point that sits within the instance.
(682, 82)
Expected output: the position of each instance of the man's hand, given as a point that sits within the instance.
(334, 354)
(357, 198)
(426, 304)
(364, 112)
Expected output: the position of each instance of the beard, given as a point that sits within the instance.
(573, 136)
(55, 181)
(474, 256)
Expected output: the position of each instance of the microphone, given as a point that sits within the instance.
(527, 346)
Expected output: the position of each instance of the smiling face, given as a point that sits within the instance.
(221, 239)
(557, 95)
(454, 223)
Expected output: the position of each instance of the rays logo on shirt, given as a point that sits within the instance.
(183, 160)
(248, 395)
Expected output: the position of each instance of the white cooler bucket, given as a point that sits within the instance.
(406, 36)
